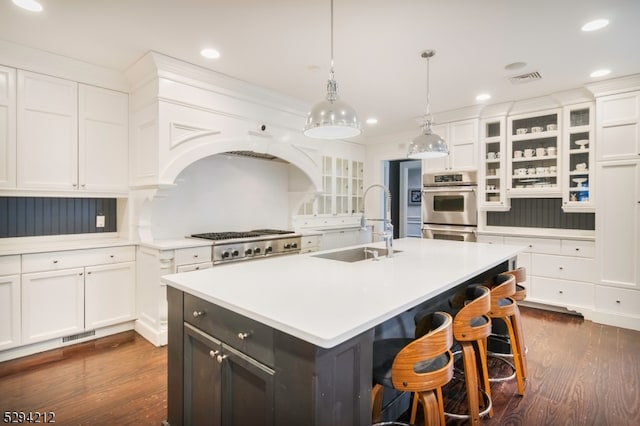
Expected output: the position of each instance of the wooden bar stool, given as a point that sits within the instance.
(422, 366)
(520, 275)
(505, 309)
(471, 327)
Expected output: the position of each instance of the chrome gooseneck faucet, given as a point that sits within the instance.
(387, 232)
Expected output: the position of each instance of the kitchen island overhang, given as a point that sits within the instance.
(296, 333)
(326, 302)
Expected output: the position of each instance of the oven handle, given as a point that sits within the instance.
(456, 231)
(450, 189)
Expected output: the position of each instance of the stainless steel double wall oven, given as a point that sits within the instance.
(449, 206)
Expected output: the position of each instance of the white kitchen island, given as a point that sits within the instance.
(287, 340)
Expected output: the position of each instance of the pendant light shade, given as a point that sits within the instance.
(427, 144)
(332, 118)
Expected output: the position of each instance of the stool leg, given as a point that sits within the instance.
(440, 405)
(430, 408)
(414, 408)
(471, 381)
(483, 370)
(517, 328)
(515, 350)
(376, 402)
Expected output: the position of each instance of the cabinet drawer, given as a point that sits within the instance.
(563, 267)
(228, 327)
(9, 265)
(578, 248)
(618, 300)
(310, 241)
(562, 292)
(491, 239)
(193, 255)
(536, 245)
(194, 267)
(55, 260)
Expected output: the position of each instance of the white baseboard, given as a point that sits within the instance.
(152, 334)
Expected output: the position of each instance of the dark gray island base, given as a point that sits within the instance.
(227, 369)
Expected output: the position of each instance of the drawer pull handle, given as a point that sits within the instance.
(111, 256)
(577, 249)
(617, 301)
(195, 255)
(561, 292)
(243, 336)
(55, 261)
(213, 353)
(561, 268)
(197, 314)
(221, 358)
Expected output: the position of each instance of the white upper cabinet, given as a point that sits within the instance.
(7, 127)
(103, 139)
(47, 132)
(618, 129)
(462, 140)
(70, 136)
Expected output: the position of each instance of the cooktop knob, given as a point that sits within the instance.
(257, 250)
(268, 249)
(287, 245)
(248, 252)
(235, 253)
(294, 245)
(225, 254)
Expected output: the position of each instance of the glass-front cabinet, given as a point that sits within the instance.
(533, 149)
(492, 182)
(578, 158)
(343, 181)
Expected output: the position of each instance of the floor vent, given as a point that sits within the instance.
(526, 78)
(78, 336)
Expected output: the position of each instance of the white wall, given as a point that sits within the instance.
(223, 193)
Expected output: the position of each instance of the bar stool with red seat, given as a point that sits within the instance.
(421, 366)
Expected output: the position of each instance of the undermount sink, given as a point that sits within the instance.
(356, 254)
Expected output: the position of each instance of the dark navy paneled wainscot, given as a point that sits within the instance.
(541, 213)
(38, 216)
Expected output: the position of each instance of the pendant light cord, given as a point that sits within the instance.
(332, 86)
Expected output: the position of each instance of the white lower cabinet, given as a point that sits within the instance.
(52, 304)
(109, 294)
(151, 293)
(69, 292)
(9, 302)
(618, 301)
(560, 272)
(310, 243)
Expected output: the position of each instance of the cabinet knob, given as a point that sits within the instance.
(561, 292)
(561, 268)
(577, 249)
(243, 336)
(55, 261)
(213, 353)
(112, 256)
(195, 255)
(197, 314)
(221, 358)
(617, 301)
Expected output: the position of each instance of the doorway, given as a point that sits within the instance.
(404, 180)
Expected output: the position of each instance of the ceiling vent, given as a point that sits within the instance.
(525, 78)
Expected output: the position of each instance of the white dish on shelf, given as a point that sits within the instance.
(579, 181)
(582, 143)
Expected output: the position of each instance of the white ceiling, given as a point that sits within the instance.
(284, 45)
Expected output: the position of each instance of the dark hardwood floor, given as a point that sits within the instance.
(580, 374)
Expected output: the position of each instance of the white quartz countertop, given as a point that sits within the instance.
(326, 302)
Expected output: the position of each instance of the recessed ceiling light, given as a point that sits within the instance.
(595, 25)
(483, 97)
(600, 73)
(515, 66)
(30, 5)
(210, 53)
(372, 120)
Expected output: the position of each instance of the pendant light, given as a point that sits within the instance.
(331, 118)
(428, 144)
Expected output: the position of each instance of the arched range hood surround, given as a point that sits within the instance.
(181, 113)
